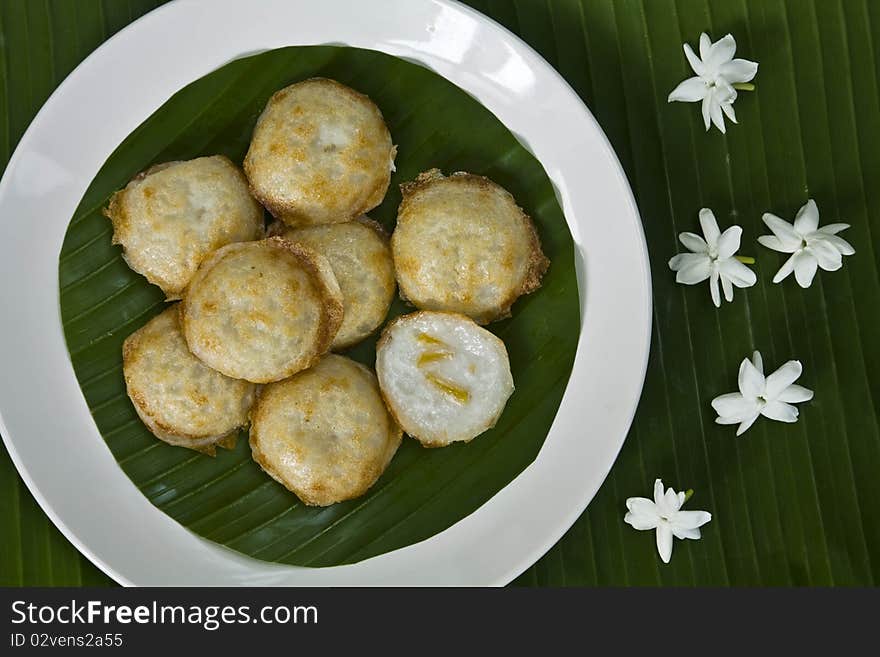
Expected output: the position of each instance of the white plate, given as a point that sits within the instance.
(43, 416)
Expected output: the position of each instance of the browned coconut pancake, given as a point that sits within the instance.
(324, 433)
(320, 153)
(360, 257)
(462, 244)
(261, 311)
(180, 399)
(171, 216)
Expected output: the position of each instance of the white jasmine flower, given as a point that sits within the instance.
(714, 258)
(770, 396)
(665, 515)
(718, 76)
(811, 247)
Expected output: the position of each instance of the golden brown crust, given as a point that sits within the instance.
(363, 267)
(203, 441)
(536, 263)
(424, 179)
(325, 488)
(267, 153)
(331, 299)
(169, 263)
(278, 228)
(323, 284)
(205, 445)
(376, 226)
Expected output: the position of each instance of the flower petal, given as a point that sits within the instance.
(713, 288)
(664, 541)
(689, 91)
(724, 93)
(658, 491)
(693, 242)
(736, 412)
(683, 260)
(705, 108)
(773, 242)
(691, 519)
(727, 108)
(733, 406)
(728, 242)
(695, 62)
(833, 229)
(727, 288)
(780, 411)
(782, 378)
(826, 254)
(758, 362)
(710, 227)
(672, 501)
(642, 513)
(751, 382)
(668, 504)
(721, 52)
(745, 424)
(786, 268)
(805, 265)
(738, 71)
(640, 505)
(783, 230)
(682, 533)
(794, 394)
(807, 219)
(738, 273)
(705, 46)
(692, 268)
(844, 247)
(640, 522)
(715, 113)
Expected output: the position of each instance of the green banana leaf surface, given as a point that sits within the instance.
(791, 504)
(228, 498)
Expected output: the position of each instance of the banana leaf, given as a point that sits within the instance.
(791, 504)
(229, 499)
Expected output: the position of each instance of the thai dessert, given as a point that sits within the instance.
(320, 153)
(444, 378)
(261, 311)
(360, 256)
(169, 217)
(182, 401)
(325, 433)
(462, 244)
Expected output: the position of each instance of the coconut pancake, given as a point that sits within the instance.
(360, 257)
(444, 378)
(171, 216)
(182, 401)
(462, 244)
(324, 433)
(320, 153)
(262, 311)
